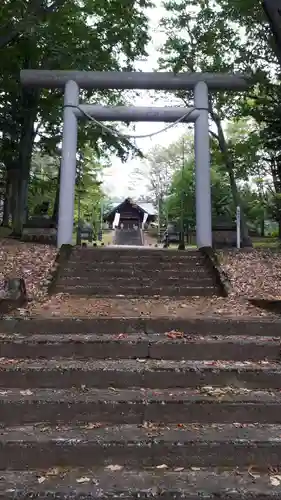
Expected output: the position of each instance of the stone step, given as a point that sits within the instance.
(153, 484)
(139, 406)
(125, 271)
(138, 260)
(188, 445)
(138, 264)
(125, 255)
(174, 346)
(135, 282)
(162, 374)
(204, 326)
(145, 252)
(138, 291)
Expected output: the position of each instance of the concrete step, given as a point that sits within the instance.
(189, 445)
(137, 406)
(174, 346)
(153, 484)
(138, 291)
(204, 326)
(162, 374)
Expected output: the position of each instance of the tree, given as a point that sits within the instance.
(218, 36)
(92, 35)
(182, 195)
(44, 185)
(265, 108)
(161, 164)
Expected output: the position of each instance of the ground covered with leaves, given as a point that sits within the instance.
(253, 273)
(33, 262)
(65, 306)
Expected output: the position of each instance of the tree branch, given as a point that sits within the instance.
(213, 134)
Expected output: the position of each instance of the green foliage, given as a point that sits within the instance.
(88, 188)
(44, 179)
(172, 168)
(232, 36)
(90, 35)
(182, 195)
(86, 36)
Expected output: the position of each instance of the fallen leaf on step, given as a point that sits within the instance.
(114, 468)
(174, 335)
(253, 474)
(179, 469)
(27, 392)
(274, 481)
(163, 466)
(55, 471)
(8, 361)
(93, 425)
(41, 479)
(121, 336)
(83, 480)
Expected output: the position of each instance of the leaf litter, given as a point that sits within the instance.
(30, 261)
(263, 277)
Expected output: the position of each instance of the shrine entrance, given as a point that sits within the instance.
(73, 81)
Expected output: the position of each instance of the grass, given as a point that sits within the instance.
(107, 238)
(5, 231)
(174, 246)
(266, 243)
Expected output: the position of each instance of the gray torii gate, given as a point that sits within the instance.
(72, 81)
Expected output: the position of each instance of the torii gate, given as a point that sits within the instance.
(72, 81)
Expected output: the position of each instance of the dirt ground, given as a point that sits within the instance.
(255, 273)
(64, 306)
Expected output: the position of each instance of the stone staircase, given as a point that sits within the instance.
(132, 237)
(140, 408)
(113, 271)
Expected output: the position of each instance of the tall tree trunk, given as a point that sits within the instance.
(29, 101)
(262, 226)
(7, 203)
(29, 108)
(55, 215)
(275, 167)
(246, 240)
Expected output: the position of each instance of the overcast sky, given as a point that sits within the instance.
(118, 178)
